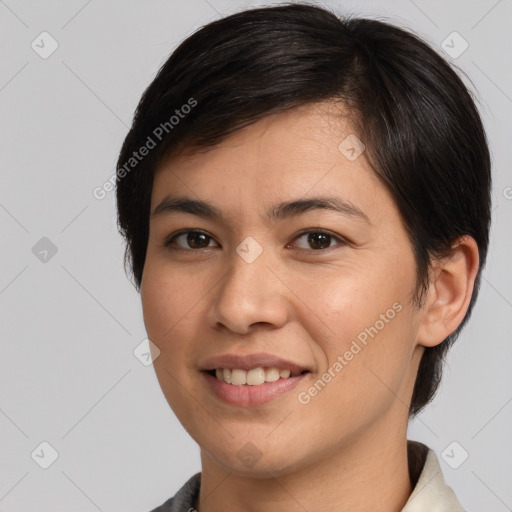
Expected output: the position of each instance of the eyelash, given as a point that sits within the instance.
(170, 241)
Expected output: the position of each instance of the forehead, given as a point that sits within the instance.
(309, 150)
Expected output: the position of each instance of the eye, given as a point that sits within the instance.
(315, 240)
(319, 240)
(192, 239)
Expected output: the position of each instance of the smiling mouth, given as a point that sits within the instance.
(253, 377)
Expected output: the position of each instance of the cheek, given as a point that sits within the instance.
(364, 326)
(365, 376)
(168, 301)
(341, 301)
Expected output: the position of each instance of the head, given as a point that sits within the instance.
(288, 103)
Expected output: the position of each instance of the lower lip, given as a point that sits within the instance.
(251, 396)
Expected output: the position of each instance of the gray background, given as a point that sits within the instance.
(69, 324)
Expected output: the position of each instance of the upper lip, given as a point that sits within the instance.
(249, 361)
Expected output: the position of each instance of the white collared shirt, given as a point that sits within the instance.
(431, 493)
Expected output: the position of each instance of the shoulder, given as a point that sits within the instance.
(430, 489)
(184, 499)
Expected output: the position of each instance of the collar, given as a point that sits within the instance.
(430, 491)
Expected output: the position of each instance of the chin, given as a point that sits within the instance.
(255, 456)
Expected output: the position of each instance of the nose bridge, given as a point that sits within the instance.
(249, 293)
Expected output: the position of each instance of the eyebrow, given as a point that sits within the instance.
(285, 210)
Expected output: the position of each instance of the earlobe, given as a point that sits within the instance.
(449, 293)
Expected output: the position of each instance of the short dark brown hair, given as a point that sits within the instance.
(423, 134)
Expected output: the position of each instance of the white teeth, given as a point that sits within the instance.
(253, 377)
(271, 375)
(256, 376)
(238, 377)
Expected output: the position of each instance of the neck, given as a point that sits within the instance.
(367, 473)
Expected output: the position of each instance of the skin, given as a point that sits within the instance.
(301, 304)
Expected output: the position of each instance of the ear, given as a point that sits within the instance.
(451, 286)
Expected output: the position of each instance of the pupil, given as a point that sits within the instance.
(318, 240)
(192, 238)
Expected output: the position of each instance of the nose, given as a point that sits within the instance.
(248, 295)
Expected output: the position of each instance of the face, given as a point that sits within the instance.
(322, 288)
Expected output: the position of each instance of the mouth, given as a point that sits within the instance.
(253, 377)
(251, 380)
